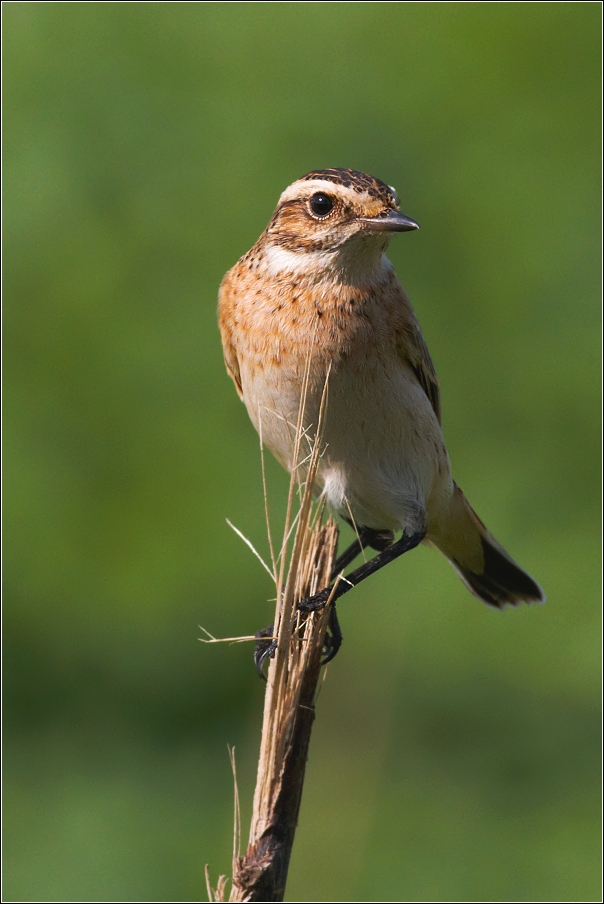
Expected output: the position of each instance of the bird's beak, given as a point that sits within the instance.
(389, 221)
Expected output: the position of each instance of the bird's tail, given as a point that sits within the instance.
(483, 565)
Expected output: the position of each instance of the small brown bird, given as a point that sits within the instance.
(316, 291)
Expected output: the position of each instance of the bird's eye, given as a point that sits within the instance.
(321, 204)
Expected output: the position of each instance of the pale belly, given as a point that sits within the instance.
(383, 462)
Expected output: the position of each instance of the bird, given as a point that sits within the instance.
(316, 298)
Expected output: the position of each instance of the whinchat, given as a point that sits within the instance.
(316, 294)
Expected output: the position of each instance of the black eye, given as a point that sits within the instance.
(321, 204)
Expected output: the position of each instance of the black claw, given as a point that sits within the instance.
(264, 649)
(333, 639)
(328, 649)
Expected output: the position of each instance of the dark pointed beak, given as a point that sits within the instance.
(389, 221)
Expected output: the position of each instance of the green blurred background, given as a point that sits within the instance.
(456, 750)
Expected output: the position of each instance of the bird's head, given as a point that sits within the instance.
(336, 213)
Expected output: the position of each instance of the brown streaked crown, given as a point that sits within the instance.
(354, 179)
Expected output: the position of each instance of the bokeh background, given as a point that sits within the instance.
(456, 750)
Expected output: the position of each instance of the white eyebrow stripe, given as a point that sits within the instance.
(306, 188)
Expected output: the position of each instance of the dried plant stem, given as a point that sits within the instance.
(293, 675)
(289, 712)
(289, 704)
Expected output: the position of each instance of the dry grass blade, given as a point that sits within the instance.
(265, 494)
(252, 547)
(211, 639)
(236, 815)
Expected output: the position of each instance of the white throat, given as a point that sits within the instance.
(359, 262)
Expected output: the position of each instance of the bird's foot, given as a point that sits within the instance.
(316, 602)
(333, 636)
(266, 645)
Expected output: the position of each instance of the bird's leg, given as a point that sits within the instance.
(406, 543)
(367, 536)
(348, 556)
(351, 552)
(265, 648)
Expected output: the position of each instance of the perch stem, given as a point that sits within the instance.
(289, 703)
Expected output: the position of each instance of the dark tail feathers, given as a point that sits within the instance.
(483, 565)
(503, 582)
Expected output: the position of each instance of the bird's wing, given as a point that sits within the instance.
(232, 365)
(228, 346)
(412, 348)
